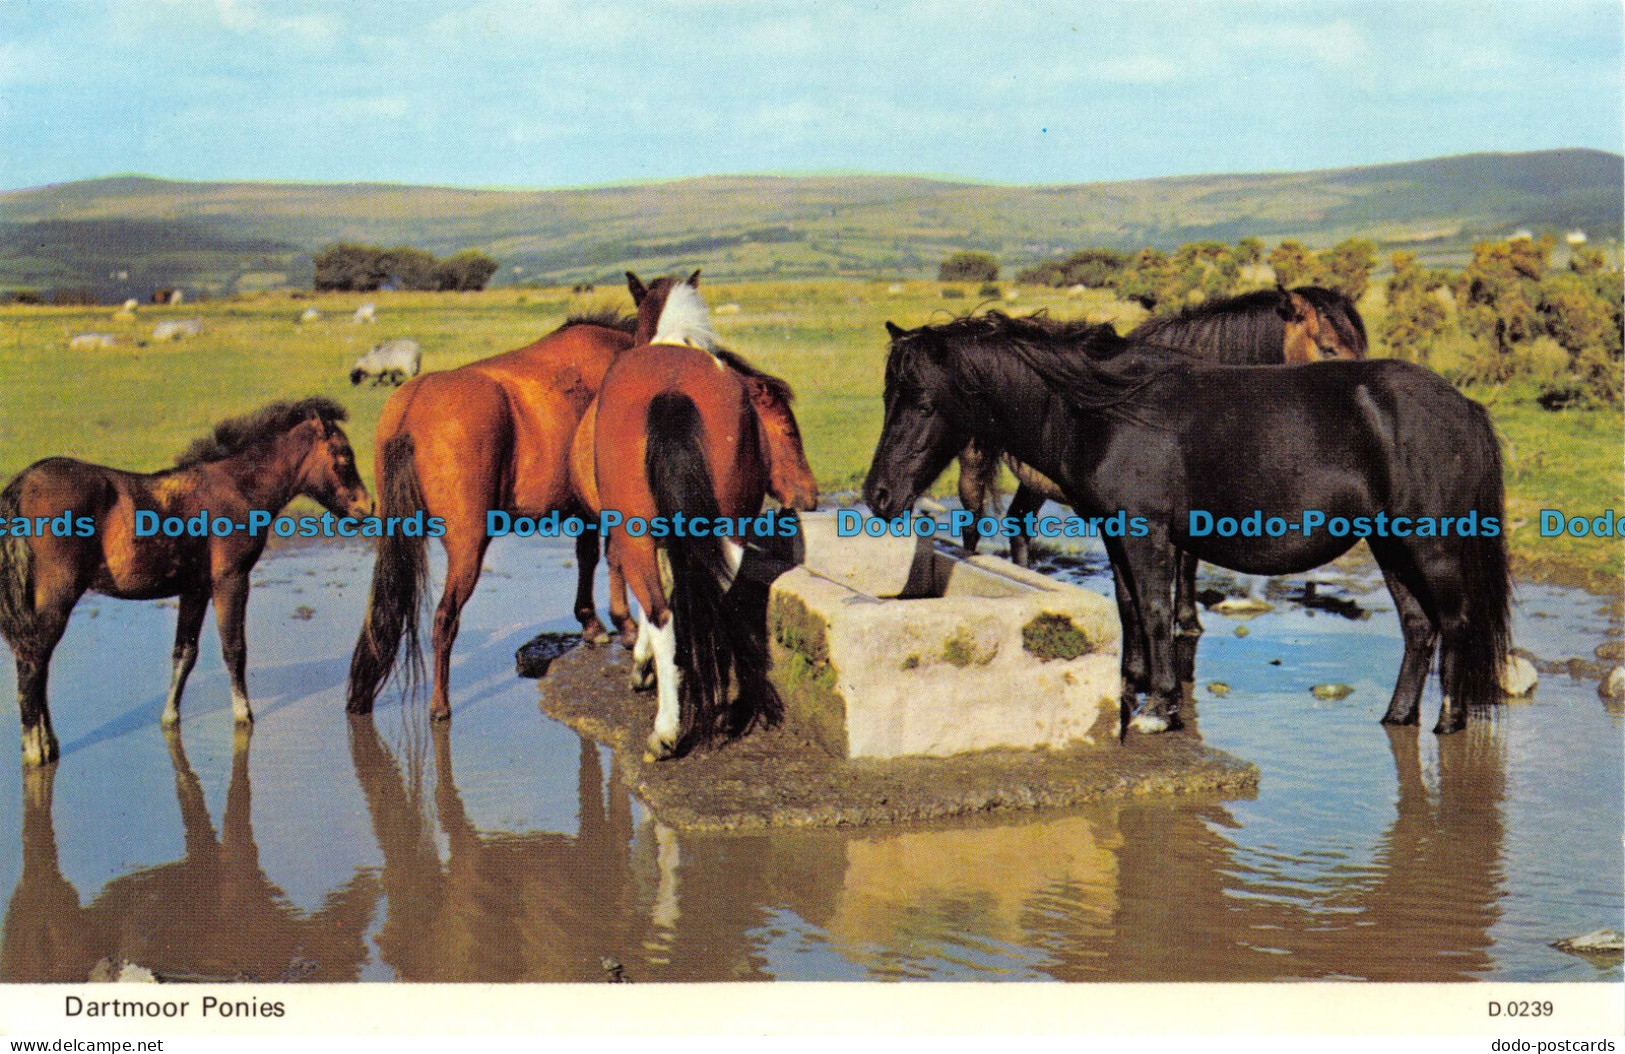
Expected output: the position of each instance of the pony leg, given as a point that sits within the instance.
(1150, 572)
(1453, 629)
(972, 492)
(1027, 500)
(1420, 637)
(231, 615)
(184, 657)
(668, 712)
(1186, 617)
(462, 573)
(592, 630)
(33, 669)
(643, 657)
(620, 612)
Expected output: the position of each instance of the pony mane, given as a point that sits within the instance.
(607, 317)
(777, 385)
(685, 319)
(1241, 330)
(236, 434)
(1086, 364)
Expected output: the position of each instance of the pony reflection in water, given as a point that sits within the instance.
(1158, 434)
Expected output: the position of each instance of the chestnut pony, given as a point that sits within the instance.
(691, 430)
(494, 434)
(251, 464)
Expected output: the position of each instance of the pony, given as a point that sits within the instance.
(691, 435)
(1264, 327)
(494, 434)
(393, 361)
(71, 526)
(1134, 428)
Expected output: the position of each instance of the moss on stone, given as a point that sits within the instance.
(1051, 636)
(962, 650)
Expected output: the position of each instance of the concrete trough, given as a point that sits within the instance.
(889, 647)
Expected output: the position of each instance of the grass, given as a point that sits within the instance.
(136, 407)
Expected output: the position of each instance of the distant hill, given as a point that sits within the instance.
(220, 237)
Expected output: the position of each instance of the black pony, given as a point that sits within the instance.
(1157, 435)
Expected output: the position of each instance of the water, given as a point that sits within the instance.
(321, 848)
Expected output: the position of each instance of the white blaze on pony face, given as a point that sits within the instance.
(686, 320)
(663, 740)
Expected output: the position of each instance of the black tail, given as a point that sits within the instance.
(720, 633)
(16, 571)
(1486, 580)
(400, 582)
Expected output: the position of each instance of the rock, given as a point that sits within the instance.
(1598, 944)
(1242, 607)
(1242, 631)
(930, 507)
(535, 656)
(1613, 686)
(1331, 693)
(1218, 688)
(1518, 676)
(1611, 650)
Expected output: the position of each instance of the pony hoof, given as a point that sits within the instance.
(642, 680)
(1150, 724)
(1442, 729)
(659, 748)
(39, 750)
(170, 718)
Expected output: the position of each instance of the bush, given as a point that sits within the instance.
(968, 266)
(348, 267)
(1091, 268)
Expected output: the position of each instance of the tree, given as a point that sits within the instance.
(969, 266)
(1093, 268)
(1415, 317)
(1498, 292)
(1249, 251)
(406, 267)
(1151, 280)
(1293, 264)
(347, 266)
(1347, 267)
(465, 271)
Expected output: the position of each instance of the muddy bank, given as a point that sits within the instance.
(779, 778)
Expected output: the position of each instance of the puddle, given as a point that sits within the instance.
(321, 848)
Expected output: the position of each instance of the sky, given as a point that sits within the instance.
(550, 93)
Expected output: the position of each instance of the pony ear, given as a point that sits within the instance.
(636, 288)
(894, 329)
(320, 422)
(1290, 306)
(694, 279)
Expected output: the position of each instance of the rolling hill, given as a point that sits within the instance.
(223, 237)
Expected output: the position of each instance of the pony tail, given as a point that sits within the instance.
(400, 579)
(16, 571)
(1486, 584)
(716, 632)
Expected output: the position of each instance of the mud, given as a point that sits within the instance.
(779, 778)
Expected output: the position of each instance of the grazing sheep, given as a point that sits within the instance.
(393, 362)
(310, 314)
(93, 340)
(364, 313)
(176, 329)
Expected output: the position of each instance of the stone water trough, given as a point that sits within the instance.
(888, 647)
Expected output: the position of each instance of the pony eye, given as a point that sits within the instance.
(925, 409)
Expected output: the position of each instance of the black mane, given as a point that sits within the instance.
(1087, 364)
(778, 385)
(1243, 330)
(607, 317)
(236, 434)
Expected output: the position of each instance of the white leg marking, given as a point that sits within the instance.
(734, 554)
(240, 708)
(1149, 724)
(643, 657)
(39, 745)
(664, 738)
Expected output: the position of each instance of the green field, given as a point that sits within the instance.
(136, 407)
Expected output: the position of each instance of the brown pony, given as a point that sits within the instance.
(492, 435)
(790, 479)
(257, 464)
(678, 429)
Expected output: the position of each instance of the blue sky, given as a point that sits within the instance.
(561, 93)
